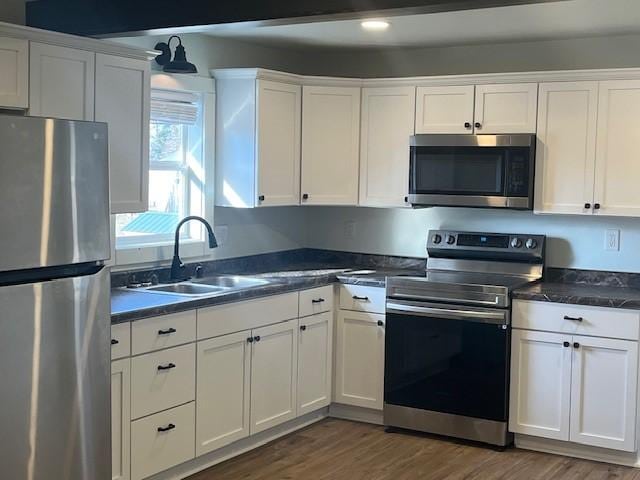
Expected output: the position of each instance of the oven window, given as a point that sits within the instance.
(458, 170)
(449, 366)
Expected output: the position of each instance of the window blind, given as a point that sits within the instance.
(174, 107)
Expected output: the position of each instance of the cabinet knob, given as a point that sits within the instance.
(250, 340)
(171, 426)
(596, 206)
(477, 125)
(114, 341)
(257, 338)
(168, 366)
(303, 327)
(261, 198)
(467, 125)
(566, 344)
(305, 196)
(576, 345)
(587, 206)
(380, 323)
(168, 331)
(406, 199)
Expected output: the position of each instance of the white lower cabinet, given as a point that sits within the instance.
(315, 338)
(163, 440)
(575, 388)
(223, 398)
(360, 359)
(274, 365)
(120, 419)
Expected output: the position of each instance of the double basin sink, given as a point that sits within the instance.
(209, 286)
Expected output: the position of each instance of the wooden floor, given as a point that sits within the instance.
(340, 450)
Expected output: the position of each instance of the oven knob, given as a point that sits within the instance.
(451, 239)
(516, 242)
(436, 239)
(531, 244)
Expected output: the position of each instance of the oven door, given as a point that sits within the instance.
(472, 170)
(447, 358)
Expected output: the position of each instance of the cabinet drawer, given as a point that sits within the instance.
(363, 299)
(166, 331)
(239, 316)
(316, 300)
(162, 380)
(563, 318)
(120, 340)
(162, 441)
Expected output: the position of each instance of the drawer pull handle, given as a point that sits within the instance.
(171, 426)
(168, 366)
(319, 300)
(362, 299)
(168, 331)
(114, 341)
(573, 319)
(303, 327)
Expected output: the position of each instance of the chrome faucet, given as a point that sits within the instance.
(177, 267)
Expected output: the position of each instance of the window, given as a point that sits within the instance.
(176, 173)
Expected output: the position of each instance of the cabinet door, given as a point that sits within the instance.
(14, 73)
(62, 82)
(566, 149)
(122, 101)
(330, 145)
(274, 374)
(120, 419)
(388, 121)
(508, 108)
(222, 402)
(360, 359)
(444, 109)
(540, 384)
(603, 392)
(618, 149)
(314, 362)
(278, 144)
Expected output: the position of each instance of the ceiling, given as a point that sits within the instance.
(541, 21)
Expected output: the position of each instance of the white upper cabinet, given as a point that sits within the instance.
(278, 143)
(122, 100)
(566, 148)
(508, 108)
(315, 338)
(14, 73)
(388, 121)
(604, 392)
(446, 109)
(330, 145)
(617, 174)
(62, 82)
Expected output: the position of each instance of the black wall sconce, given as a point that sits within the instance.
(179, 64)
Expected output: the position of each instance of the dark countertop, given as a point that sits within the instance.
(581, 294)
(131, 304)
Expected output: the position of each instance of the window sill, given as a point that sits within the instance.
(148, 254)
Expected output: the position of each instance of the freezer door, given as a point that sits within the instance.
(55, 369)
(54, 192)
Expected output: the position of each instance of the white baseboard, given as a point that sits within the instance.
(358, 414)
(569, 449)
(241, 446)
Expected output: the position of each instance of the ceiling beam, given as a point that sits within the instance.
(104, 18)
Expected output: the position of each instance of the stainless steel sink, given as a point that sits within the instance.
(232, 282)
(188, 289)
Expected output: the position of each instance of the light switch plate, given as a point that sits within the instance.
(612, 240)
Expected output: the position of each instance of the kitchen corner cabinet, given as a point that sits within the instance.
(387, 123)
(572, 383)
(14, 73)
(257, 141)
(122, 99)
(62, 82)
(330, 145)
(491, 109)
(120, 419)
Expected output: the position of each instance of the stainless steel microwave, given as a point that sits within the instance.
(491, 171)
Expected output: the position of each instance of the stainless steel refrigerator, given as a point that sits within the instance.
(54, 300)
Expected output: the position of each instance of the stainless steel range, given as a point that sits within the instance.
(448, 335)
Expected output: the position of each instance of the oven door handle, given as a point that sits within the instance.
(447, 313)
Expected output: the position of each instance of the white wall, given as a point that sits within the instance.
(12, 11)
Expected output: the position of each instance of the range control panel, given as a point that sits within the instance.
(475, 243)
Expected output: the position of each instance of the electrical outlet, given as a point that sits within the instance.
(612, 240)
(221, 232)
(350, 230)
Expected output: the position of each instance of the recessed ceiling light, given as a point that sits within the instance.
(375, 25)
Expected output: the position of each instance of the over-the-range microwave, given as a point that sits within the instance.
(491, 171)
